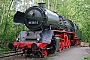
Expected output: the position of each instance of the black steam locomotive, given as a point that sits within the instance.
(48, 32)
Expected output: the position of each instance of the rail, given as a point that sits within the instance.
(9, 54)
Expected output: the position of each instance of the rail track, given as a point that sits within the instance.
(4, 55)
(18, 56)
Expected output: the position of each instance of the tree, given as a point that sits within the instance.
(76, 10)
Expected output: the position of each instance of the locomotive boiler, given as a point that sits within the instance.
(48, 32)
(37, 17)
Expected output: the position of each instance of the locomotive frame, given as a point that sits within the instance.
(48, 32)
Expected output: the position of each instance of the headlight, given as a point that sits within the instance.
(38, 39)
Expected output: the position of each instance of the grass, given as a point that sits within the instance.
(87, 58)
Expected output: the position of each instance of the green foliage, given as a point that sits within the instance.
(76, 10)
(87, 58)
(8, 31)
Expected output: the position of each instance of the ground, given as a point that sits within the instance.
(73, 53)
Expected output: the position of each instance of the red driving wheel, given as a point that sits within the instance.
(45, 53)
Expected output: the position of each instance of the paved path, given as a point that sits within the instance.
(74, 53)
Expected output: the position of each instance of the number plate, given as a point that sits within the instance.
(33, 22)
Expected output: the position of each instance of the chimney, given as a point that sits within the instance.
(42, 5)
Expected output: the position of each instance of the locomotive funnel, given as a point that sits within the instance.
(42, 5)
